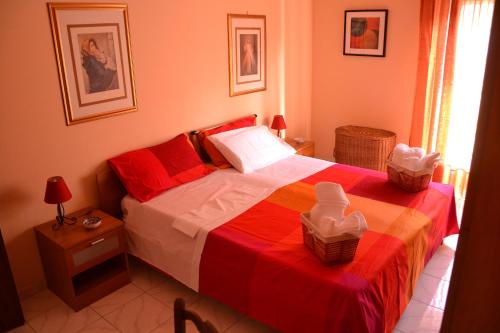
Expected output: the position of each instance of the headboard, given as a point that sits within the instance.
(111, 190)
(193, 136)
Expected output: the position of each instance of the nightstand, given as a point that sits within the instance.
(82, 265)
(305, 149)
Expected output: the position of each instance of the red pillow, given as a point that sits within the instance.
(147, 172)
(217, 158)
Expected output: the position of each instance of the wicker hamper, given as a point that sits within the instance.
(363, 146)
(329, 250)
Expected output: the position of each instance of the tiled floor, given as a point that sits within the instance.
(145, 305)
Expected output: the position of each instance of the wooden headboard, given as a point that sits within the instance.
(111, 190)
(193, 136)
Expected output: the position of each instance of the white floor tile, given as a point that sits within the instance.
(431, 291)
(140, 315)
(220, 315)
(169, 290)
(144, 276)
(100, 326)
(116, 299)
(40, 303)
(420, 318)
(440, 266)
(168, 327)
(451, 243)
(63, 319)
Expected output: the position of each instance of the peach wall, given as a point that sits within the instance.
(298, 67)
(365, 91)
(179, 51)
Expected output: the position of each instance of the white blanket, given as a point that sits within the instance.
(170, 231)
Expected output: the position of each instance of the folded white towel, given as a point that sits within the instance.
(429, 160)
(353, 224)
(406, 151)
(331, 192)
(327, 226)
(414, 158)
(331, 202)
(406, 156)
(328, 213)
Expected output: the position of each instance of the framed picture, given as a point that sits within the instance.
(247, 53)
(365, 32)
(92, 45)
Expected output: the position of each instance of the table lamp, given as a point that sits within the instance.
(278, 124)
(57, 192)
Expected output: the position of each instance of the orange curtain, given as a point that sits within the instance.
(459, 178)
(440, 22)
(438, 29)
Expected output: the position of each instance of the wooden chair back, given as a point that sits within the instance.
(181, 315)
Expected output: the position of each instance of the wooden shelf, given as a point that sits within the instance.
(95, 276)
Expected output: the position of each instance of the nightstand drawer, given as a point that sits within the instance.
(97, 248)
(95, 251)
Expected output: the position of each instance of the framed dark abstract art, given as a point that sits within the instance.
(365, 32)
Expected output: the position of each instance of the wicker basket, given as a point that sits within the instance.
(408, 180)
(329, 250)
(363, 146)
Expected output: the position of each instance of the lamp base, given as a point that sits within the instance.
(61, 219)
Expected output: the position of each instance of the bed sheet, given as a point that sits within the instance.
(169, 231)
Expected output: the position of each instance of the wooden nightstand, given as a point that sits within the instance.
(305, 149)
(82, 265)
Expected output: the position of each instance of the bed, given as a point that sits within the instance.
(237, 237)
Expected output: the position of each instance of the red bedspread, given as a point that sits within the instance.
(257, 263)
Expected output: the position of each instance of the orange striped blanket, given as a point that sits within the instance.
(258, 264)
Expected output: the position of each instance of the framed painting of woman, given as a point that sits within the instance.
(92, 45)
(247, 53)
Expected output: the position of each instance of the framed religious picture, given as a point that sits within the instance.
(365, 32)
(247, 53)
(92, 45)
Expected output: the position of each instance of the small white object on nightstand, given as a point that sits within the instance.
(92, 222)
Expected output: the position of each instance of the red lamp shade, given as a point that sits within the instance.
(56, 191)
(278, 123)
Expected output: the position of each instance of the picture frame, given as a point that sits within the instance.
(365, 32)
(94, 60)
(247, 53)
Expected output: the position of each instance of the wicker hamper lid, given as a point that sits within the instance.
(365, 132)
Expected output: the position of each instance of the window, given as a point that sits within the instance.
(470, 60)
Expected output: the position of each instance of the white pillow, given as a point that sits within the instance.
(251, 148)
